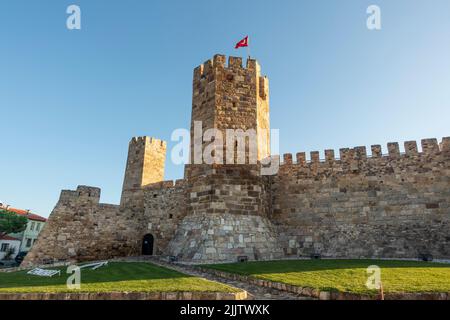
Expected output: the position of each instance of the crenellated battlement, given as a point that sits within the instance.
(82, 193)
(219, 61)
(166, 184)
(430, 147)
(148, 140)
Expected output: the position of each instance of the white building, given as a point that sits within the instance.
(34, 226)
(8, 243)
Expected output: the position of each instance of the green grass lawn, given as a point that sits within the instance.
(115, 277)
(348, 275)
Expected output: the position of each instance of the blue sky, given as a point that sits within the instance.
(71, 100)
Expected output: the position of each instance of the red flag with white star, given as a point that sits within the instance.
(242, 43)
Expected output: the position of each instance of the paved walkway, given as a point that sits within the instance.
(255, 292)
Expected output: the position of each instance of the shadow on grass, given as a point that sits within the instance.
(113, 272)
(286, 266)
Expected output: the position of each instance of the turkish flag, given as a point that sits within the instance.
(242, 43)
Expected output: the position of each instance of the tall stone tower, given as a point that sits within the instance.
(227, 202)
(145, 165)
(231, 97)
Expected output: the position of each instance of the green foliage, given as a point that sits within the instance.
(348, 275)
(11, 222)
(116, 276)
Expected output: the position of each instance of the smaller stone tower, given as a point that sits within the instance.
(145, 165)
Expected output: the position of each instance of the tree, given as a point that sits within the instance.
(11, 222)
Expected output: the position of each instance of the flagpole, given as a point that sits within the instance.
(248, 47)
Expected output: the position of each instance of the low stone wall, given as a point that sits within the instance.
(325, 295)
(126, 296)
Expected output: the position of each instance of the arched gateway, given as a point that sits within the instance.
(147, 245)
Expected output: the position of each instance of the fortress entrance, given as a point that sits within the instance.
(147, 245)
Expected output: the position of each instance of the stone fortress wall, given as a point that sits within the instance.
(164, 209)
(393, 205)
(82, 229)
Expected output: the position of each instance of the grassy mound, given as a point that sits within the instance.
(115, 277)
(348, 275)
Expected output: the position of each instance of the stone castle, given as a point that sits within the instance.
(394, 205)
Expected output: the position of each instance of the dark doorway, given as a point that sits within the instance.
(147, 245)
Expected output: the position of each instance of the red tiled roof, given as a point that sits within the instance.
(6, 237)
(24, 213)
